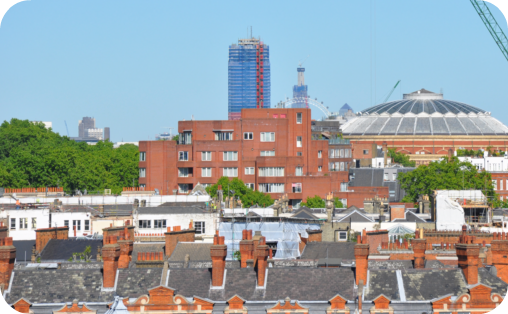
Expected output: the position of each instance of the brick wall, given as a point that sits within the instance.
(397, 213)
(42, 236)
(177, 235)
(375, 238)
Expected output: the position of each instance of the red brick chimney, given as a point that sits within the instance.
(7, 257)
(262, 260)
(500, 255)
(4, 231)
(177, 235)
(118, 232)
(126, 247)
(42, 236)
(468, 255)
(110, 255)
(419, 246)
(218, 252)
(361, 257)
(246, 248)
(315, 235)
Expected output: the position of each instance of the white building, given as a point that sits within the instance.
(82, 220)
(47, 124)
(489, 163)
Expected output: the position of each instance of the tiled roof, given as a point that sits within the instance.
(487, 278)
(428, 284)
(196, 251)
(382, 282)
(58, 285)
(63, 249)
(134, 282)
(317, 250)
(146, 247)
(390, 264)
(436, 264)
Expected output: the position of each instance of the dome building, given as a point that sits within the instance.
(424, 123)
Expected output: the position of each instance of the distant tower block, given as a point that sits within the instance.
(106, 134)
(300, 90)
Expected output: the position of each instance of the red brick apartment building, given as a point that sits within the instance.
(270, 150)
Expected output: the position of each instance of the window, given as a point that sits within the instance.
(142, 172)
(299, 118)
(319, 168)
(223, 136)
(348, 153)
(249, 170)
(145, 224)
(206, 156)
(341, 153)
(161, 223)
(271, 172)
(248, 136)
(343, 187)
(299, 171)
(230, 156)
(66, 223)
(206, 172)
(298, 153)
(298, 141)
(267, 153)
(297, 188)
(185, 138)
(230, 172)
(395, 176)
(267, 136)
(494, 183)
(183, 172)
(87, 225)
(183, 156)
(250, 186)
(386, 176)
(77, 224)
(342, 235)
(142, 156)
(500, 184)
(34, 223)
(23, 223)
(199, 226)
(365, 151)
(283, 116)
(184, 188)
(320, 154)
(13, 223)
(271, 187)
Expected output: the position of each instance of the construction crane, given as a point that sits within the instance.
(491, 24)
(67, 129)
(391, 92)
(301, 62)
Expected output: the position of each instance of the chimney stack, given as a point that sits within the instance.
(468, 255)
(262, 260)
(126, 247)
(499, 248)
(246, 248)
(419, 246)
(218, 252)
(42, 236)
(177, 235)
(110, 255)
(361, 257)
(7, 257)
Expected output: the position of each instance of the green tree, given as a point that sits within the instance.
(176, 137)
(314, 202)
(445, 175)
(337, 203)
(400, 158)
(247, 195)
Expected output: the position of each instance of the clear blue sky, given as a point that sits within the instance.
(139, 66)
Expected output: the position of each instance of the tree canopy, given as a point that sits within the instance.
(33, 156)
(318, 202)
(445, 175)
(400, 158)
(247, 195)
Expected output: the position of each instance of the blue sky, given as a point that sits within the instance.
(140, 66)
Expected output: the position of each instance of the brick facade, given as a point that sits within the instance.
(177, 235)
(42, 236)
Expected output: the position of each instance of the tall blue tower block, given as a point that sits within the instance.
(300, 90)
(248, 76)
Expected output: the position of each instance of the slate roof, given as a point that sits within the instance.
(355, 216)
(437, 264)
(146, 247)
(172, 210)
(317, 250)
(427, 284)
(488, 279)
(390, 264)
(196, 251)
(21, 248)
(367, 177)
(306, 284)
(58, 285)
(134, 282)
(63, 249)
(382, 282)
(304, 213)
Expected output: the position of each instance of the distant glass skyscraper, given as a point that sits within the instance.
(248, 76)
(300, 90)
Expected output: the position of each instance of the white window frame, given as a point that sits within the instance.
(299, 118)
(250, 186)
(206, 172)
(142, 156)
(271, 187)
(23, 223)
(298, 171)
(87, 225)
(271, 171)
(144, 224)
(76, 223)
(299, 141)
(206, 156)
(320, 154)
(200, 227)
(183, 156)
(249, 170)
(320, 168)
(365, 151)
(159, 223)
(183, 172)
(267, 137)
(34, 223)
(267, 153)
(180, 188)
(142, 172)
(230, 156)
(494, 184)
(223, 136)
(248, 136)
(340, 235)
(13, 224)
(231, 172)
(297, 188)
